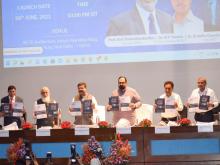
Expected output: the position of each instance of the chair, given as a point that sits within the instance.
(145, 111)
(99, 114)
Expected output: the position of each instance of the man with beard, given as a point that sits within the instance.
(82, 96)
(124, 92)
(46, 99)
(11, 99)
(144, 18)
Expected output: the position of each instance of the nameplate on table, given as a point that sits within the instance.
(162, 129)
(125, 130)
(4, 133)
(81, 130)
(205, 128)
(42, 132)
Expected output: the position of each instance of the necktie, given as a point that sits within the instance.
(152, 27)
(10, 105)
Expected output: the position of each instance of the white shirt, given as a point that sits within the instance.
(11, 99)
(196, 93)
(190, 25)
(170, 113)
(145, 19)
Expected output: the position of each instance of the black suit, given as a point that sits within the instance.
(10, 119)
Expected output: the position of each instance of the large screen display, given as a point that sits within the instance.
(74, 32)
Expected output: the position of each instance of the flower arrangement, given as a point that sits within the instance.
(119, 152)
(66, 125)
(16, 151)
(27, 125)
(184, 122)
(145, 123)
(103, 124)
(92, 150)
(19, 151)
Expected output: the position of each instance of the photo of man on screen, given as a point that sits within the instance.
(185, 22)
(144, 18)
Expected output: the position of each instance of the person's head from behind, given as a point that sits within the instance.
(82, 88)
(181, 7)
(168, 87)
(201, 83)
(122, 82)
(148, 5)
(45, 94)
(11, 91)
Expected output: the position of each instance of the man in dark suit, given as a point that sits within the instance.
(11, 99)
(141, 20)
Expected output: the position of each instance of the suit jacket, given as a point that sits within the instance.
(6, 99)
(10, 119)
(130, 23)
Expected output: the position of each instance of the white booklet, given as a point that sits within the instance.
(18, 109)
(170, 105)
(75, 108)
(40, 111)
(124, 103)
(193, 104)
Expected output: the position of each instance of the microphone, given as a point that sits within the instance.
(49, 158)
(73, 158)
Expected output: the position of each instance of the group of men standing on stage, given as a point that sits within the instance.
(123, 102)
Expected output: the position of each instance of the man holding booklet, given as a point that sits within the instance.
(202, 101)
(168, 104)
(83, 105)
(123, 102)
(12, 107)
(46, 110)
